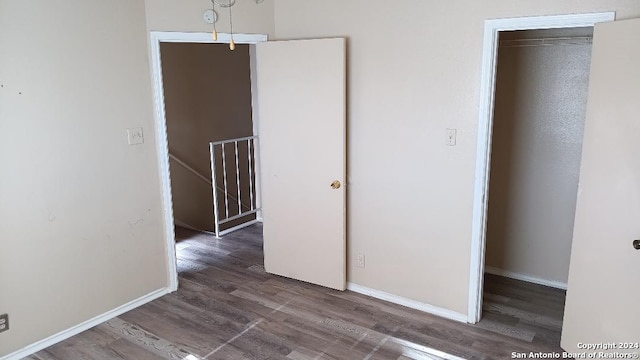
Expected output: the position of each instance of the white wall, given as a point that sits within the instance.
(414, 70)
(541, 100)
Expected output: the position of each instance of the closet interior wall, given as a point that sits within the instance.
(540, 104)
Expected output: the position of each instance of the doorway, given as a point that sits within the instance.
(207, 90)
(162, 139)
(540, 105)
(285, 70)
(493, 29)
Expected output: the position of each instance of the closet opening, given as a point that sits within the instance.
(540, 103)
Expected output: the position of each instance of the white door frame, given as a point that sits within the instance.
(162, 145)
(492, 28)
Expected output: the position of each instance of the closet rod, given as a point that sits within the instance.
(576, 40)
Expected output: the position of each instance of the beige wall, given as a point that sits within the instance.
(207, 98)
(541, 99)
(82, 227)
(179, 15)
(74, 207)
(81, 210)
(414, 70)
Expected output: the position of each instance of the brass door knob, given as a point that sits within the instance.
(636, 244)
(336, 185)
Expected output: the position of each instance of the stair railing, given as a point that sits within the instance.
(217, 172)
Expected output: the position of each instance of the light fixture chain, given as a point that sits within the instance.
(232, 44)
(215, 18)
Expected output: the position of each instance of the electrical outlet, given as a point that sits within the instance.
(4, 322)
(360, 260)
(135, 136)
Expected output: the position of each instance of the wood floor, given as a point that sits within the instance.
(227, 307)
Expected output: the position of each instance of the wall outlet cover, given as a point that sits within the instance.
(360, 260)
(4, 322)
(135, 136)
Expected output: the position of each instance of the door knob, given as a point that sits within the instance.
(636, 244)
(335, 185)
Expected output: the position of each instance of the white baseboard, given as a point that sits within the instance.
(434, 310)
(238, 227)
(65, 334)
(527, 278)
(224, 232)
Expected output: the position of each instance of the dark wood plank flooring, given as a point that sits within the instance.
(227, 307)
(522, 310)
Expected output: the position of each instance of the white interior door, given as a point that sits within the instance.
(603, 293)
(301, 122)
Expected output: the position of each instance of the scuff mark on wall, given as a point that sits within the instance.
(134, 224)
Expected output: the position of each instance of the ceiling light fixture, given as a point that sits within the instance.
(212, 17)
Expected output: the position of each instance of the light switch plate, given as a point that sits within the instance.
(135, 136)
(451, 137)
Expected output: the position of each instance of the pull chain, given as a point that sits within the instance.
(232, 44)
(215, 32)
